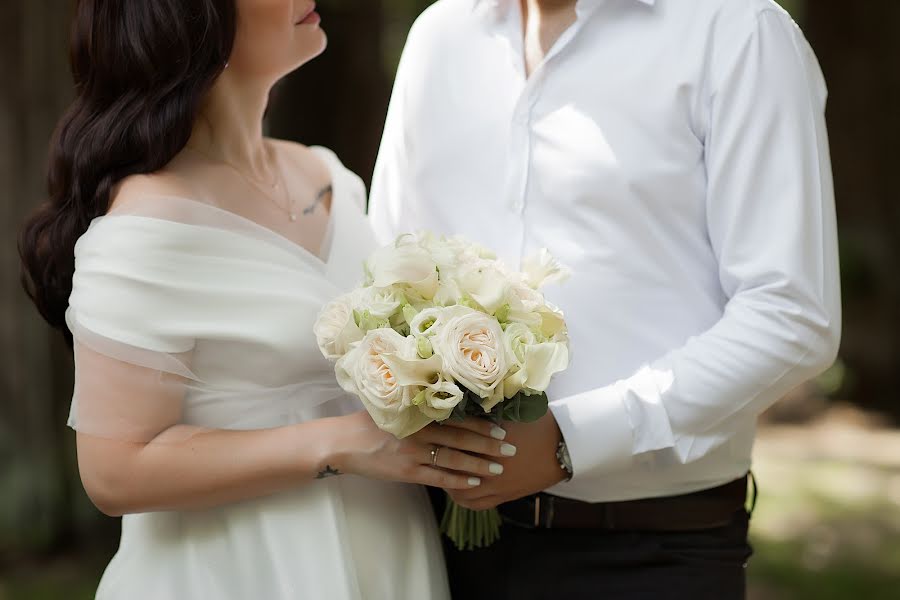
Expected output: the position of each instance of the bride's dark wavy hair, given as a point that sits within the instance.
(142, 69)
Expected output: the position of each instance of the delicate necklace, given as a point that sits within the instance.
(262, 186)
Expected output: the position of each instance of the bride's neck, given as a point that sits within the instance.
(230, 126)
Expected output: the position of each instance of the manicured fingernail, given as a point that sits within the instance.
(498, 433)
(496, 468)
(508, 450)
(473, 481)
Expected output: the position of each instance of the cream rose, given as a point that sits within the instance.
(472, 348)
(335, 328)
(366, 372)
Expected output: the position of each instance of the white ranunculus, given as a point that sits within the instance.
(335, 328)
(473, 350)
(405, 262)
(542, 268)
(366, 372)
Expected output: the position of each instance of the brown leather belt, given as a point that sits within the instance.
(705, 509)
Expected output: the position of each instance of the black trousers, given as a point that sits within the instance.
(582, 564)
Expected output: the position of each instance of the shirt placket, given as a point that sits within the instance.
(520, 165)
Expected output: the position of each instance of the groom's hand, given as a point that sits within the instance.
(533, 469)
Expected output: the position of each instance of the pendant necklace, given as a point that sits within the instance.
(264, 187)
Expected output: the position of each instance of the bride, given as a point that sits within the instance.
(204, 412)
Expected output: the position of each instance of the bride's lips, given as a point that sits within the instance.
(310, 18)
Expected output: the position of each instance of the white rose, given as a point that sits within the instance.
(524, 304)
(335, 328)
(518, 336)
(405, 262)
(382, 303)
(473, 350)
(485, 282)
(366, 372)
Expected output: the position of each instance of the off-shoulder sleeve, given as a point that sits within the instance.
(131, 329)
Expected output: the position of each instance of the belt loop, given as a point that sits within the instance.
(755, 493)
(537, 510)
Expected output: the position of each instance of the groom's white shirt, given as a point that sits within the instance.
(673, 153)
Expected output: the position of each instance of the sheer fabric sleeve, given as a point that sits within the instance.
(132, 347)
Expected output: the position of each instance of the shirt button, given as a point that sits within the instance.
(518, 205)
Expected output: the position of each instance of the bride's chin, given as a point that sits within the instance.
(315, 45)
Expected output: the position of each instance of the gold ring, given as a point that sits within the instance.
(434, 455)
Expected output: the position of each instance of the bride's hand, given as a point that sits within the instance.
(463, 453)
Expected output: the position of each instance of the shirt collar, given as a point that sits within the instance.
(500, 3)
(497, 8)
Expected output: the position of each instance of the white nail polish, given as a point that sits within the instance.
(498, 433)
(496, 468)
(473, 481)
(508, 450)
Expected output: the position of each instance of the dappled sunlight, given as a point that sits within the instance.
(828, 519)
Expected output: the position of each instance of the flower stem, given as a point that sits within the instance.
(470, 529)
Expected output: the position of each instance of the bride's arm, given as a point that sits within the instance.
(135, 454)
(190, 468)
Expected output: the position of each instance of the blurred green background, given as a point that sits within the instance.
(828, 459)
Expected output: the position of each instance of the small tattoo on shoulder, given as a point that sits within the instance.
(328, 472)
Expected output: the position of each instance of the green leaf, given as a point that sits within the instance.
(532, 408)
(459, 411)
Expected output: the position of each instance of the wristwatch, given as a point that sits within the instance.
(565, 461)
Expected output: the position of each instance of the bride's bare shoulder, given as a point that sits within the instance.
(302, 157)
(176, 179)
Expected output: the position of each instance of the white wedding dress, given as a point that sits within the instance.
(205, 318)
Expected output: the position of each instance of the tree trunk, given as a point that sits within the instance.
(36, 483)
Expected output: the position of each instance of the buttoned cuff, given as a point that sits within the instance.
(597, 430)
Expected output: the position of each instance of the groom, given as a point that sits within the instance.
(673, 154)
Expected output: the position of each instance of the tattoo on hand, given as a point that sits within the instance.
(328, 472)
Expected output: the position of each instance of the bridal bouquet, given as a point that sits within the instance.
(441, 329)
